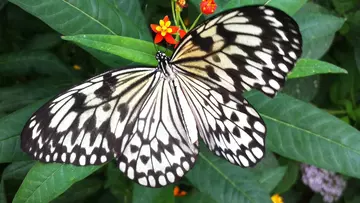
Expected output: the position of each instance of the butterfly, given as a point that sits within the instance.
(149, 118)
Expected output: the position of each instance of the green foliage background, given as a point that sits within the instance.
(314, 120)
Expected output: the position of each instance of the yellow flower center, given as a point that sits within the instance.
(164, 27)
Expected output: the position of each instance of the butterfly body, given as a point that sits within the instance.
(150, 118)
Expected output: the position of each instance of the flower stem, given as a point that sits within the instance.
(195, 22)
(173, 11)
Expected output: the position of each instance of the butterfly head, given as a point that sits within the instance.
(161, 56)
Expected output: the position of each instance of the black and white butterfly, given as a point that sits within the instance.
(149, 118)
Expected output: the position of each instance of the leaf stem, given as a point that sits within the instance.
(195, 22)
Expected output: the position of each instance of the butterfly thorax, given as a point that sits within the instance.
(164, 65)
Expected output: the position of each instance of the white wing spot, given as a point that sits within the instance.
(82, 160)
(32, 124)
(257, 152)
(274, 84)
(152, 181)
(93, 159)
(278, 75)
(269, 12)
(244, 160)
(268, 90)
(55, 156)
(162, 180)
(186, 165)
(72, 157)
(292, 54)
(259, 139)
(63, 157)
(122, 166)
(250, 156)
(103, 159)
(143, 181)
(259, 127)
(130, 173)
(179, 171)
(170, 176)
(283, 67)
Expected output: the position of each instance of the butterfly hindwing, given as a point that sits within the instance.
(243, 48)
(160, 148)
(228, 124)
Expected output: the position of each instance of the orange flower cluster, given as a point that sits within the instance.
(208, 6)
(165, 31)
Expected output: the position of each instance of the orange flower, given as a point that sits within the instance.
(178, 192)
(181, 3)
(164, 30)
(208, 6)
(182, 34)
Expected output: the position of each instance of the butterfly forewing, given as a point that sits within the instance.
(79, 125)
(241, 49)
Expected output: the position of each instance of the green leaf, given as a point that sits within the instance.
(45, 182)
(80, 190)
(43, 41)
(129, 48)
(22, 63)
(156, 195)
(342, 6)
(304, 88)
(2, 192)
(87, 17)
(2, 3)
(288, 6)
(194, 196)
(290, 176)
(308, 67)
(17, 96)
(269, 179)
(302, 132)
(17, 170)
(318, 29)
(10, 129)
(225, 182)
(119, 185)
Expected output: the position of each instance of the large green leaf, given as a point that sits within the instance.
(270, 178)
(128, 48)
(87, 17)
(305, 133)
(42, 62)
(225, 182)
(80, 190)
(17, 170)
(290, 176)
(17, 96)
(45, 182)
(194, 196)
(304, 88)
(143, 194)
(307, 67)
(10, 129)
(2, 192)
(288, 6)
(318, 28)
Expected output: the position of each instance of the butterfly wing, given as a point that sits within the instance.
(243, 48)
(162, 146)
(228, 124)
(131, 114)
(80, 125)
